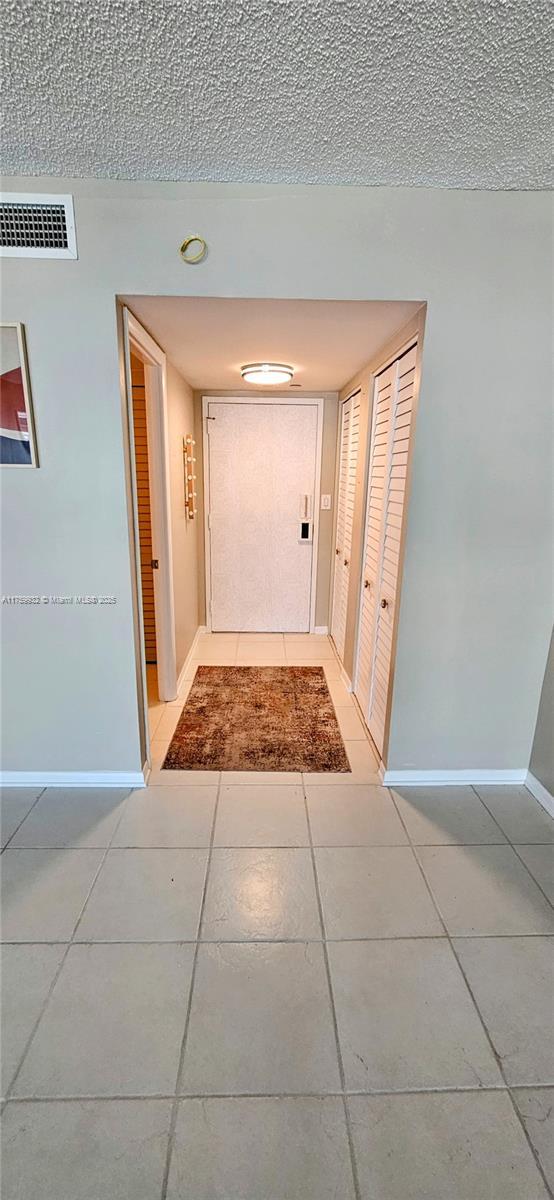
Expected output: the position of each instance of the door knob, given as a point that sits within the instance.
(384, 604)
(155, 564)
(346, 562)
(367, 583)
(337, 551)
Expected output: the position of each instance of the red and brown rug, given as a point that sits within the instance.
(258, 719)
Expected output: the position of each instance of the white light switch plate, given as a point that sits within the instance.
(325, 501)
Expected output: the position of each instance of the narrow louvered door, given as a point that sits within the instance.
(338, 615)
(140, 439)
(376, 490)
(349, 446)
(394, 396)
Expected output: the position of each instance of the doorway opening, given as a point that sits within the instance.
(260, 532)
(150, 531)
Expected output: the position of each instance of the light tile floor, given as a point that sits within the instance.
(277, 987)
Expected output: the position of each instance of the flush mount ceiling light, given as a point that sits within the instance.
(266, 372)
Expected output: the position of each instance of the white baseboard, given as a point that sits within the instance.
(540, 793)
(74, 779)
(201, 629)
(451, 778)
(321, 629)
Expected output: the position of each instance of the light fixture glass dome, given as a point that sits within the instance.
(266, 372)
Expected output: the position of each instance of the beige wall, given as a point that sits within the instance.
(542, 754)
(475, 618)
(326, 518)
(184, 532)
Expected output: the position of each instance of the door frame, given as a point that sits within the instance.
(297, 401)
(416, 339)
(136, 338)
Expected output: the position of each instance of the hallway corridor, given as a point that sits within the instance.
(276, 986)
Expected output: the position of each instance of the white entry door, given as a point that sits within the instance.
(392, 425)
(261, 504)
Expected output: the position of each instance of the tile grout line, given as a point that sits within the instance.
(181, 1059)
(514, 846)
(23, 819)
(303, 846)
(517, 1113)
(257, 941)
(68, 946)
(496, 1056)
(353, 1163)
(466, 1090)
(530, 873)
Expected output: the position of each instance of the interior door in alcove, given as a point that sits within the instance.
(262, 475)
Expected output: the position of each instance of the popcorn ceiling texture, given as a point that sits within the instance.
(436, 93)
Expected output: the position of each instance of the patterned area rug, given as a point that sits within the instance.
(258, 719)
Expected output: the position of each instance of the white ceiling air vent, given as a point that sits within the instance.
(36, 226)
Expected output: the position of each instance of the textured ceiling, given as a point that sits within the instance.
(326, 341)
(439, 93)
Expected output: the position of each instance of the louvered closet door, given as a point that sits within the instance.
(349, 447)
(377, 483)
(386, 495)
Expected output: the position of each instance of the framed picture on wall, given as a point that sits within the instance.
(17, 431)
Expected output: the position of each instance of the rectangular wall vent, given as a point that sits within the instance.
(37, 226)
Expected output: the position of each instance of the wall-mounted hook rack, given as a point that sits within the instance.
(190, 476)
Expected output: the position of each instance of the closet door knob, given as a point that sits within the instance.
(367, 583)
(346, 562)
(384, 604)
(337, 551)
